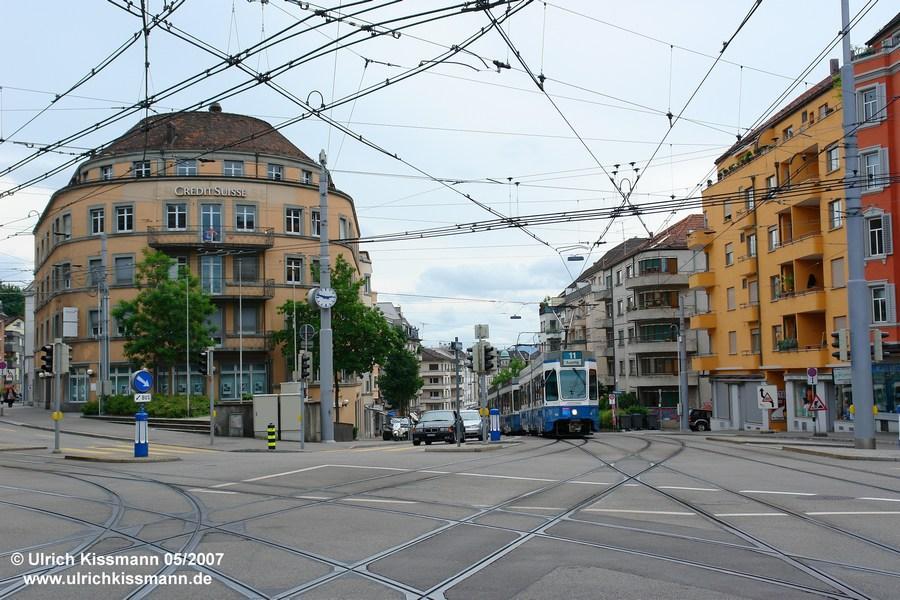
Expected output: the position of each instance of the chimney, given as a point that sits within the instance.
(835, 66)
(215, 107)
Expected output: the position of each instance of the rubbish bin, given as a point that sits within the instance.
(495, 424)
(651, 421)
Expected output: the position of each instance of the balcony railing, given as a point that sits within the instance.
(248, 342)
(159, 237)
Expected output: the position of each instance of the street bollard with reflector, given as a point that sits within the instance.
(141, 441)
(270, 436)
(495, 424)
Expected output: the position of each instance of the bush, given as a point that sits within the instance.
(606, 420)
(637, 410)
(170, 407)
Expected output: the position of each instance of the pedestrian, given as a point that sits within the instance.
(9, 396)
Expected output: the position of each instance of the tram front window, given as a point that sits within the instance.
(551, 390)
(573, 384)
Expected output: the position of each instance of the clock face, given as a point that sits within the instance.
(326, 297)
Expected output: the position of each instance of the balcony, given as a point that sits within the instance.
(702, 279)
(749, 313)
(809, 246)
(807, 301)
(603, 322)
(653, 344)
(232, 290)
(606, 350)
(650, 312)
(603, 293)
(746, 265)
(655, 279)
(249, 342)
(705, 362)
(799, 357)
(158, 237)
(653, 380)
(705, 320)
(698, 240)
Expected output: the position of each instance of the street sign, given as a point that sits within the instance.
(812, 376)
(767, 397)
(816, 404)
(141, 381)
(612, 399)
(842, 375)
(2, 364)
(142, 398)
(484, 412)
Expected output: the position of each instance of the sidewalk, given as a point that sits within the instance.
(73, 424)
(835, 445)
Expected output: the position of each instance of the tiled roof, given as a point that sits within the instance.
(435, 354)
(884, 31)
(204, 131)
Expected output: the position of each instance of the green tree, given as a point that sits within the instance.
(509, 372)
(156, 323)
(399, 380)
(13, 300)
(362, 337)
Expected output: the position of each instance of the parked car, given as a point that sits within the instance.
(393, 427)
(435, 426)
(471, 423)
(698, 419)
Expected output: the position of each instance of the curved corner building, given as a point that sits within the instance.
(221, 193)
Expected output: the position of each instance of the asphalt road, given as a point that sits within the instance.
(625, 516)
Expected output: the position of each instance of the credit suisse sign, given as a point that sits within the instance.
(183, 190)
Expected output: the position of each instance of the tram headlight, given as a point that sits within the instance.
(575, 412)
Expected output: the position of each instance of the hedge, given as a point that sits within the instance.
(171, 407)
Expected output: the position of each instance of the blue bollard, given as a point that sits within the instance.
(141, 441)
(495, 424)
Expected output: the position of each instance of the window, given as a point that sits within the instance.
(619, 306)
(871, 169)
(293, 269)
(753, 292)
(141, 168)
(293, 220)
(211, 274)
(838, 279)
(751, 245)
(245, 319)
(879, 304)
(755, 341)
(835, 214)
(186, 167)
(775, 286)
(245, 217)
(726, 209)
(315, 222)
(233, 168)
(788, 132)
(875, 236)
(275, 172)
(95, 272)
(823, 111)
(211, 222)
(124, 219)
(619, 278)
(246, 268)
(749, 199)
(97, 221)
(314, 269)
(832, 159)
(94, 328)
(367, 284)
(176, 217)
(65, 228)
(343, 229)
(869, 99)
(621, 368)
(777, 336)
(773, 238)
(729, 295)
(63, 279)
(106, 172)
(729, 254)
(306, 177)
(632, 368)
(732, 342)
(771, 184)
(124, 269)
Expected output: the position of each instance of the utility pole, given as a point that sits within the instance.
(857, 290)
(459, 434)
(187, 339)
(326, 357)
(58, 349)
(210, 369)
(682, 368)
(103, 375)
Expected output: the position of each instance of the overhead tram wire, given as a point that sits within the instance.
(232, 91)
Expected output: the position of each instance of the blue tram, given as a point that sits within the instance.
(555, 394)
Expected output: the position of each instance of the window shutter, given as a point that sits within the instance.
(884, 167)
(860, 114)
(867, 241)
(881, 98)
(889, 291)
(888, 234)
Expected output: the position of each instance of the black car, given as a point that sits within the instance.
(435, 426)
(698, 419)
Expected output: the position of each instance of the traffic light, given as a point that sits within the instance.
(203, 362)
(470, 359)
(878, 345)
(841, 341)
(490, 357)
(64, 358)
(47, 359)
(305, 365)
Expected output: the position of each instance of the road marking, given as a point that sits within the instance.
(364, 467)
(591, 482)
(536, 508)
(380, 501)
(436, 472)
(313, 497)
(88, 451)
(855, 512)
(632, 485)
(221, 485)
(641, 512)
(507, 477)
(205, 491)
(769, 514)
(882, 499)
(262, 477)
(689, 489)
(779, 493)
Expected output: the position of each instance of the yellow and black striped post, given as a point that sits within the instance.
(270, 435)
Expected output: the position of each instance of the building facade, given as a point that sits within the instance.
(228, 198)
(437, 368)
(775, 246)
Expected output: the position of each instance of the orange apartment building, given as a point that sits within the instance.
(235, 202)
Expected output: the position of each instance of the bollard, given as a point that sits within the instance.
(495, 425)
(141, 441)
(270, 434)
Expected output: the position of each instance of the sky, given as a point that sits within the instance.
(465, 132)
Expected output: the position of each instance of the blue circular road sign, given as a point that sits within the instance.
(141, 381)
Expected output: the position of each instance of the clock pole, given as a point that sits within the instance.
(326, 362)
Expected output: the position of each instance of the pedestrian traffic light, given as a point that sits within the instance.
(47, 359)
(490, 357)
(64, 358)
(203, 362)
(878, 345)
(841, 341)
(305, 365)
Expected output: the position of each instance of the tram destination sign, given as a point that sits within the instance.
(572, 358)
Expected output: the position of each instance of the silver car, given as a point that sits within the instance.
(472, 423)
